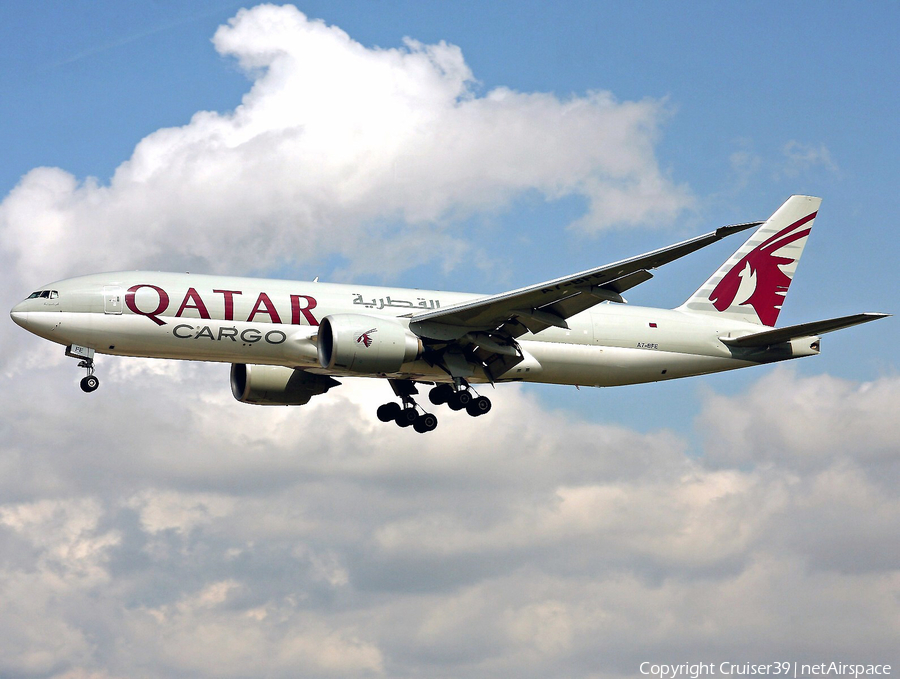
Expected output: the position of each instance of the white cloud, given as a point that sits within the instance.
(54, 553)
(158, 528)
(793, 160)
(162, 510)
(200, 633)
(810, 423)
(334, 143)
(65, 535)
(218, 536)
(745, 164)
(800, 158)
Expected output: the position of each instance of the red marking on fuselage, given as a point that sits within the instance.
(264, 306)
(162, 302)
(229, 302)
(771, 282)
(301, 306)
(297, 310)
(192, 300)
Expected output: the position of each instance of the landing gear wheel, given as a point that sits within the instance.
(479, 406)
(89, 384)
(440, 394)
(425, 423)
(461, 399)
(388, 411)
(406, 417)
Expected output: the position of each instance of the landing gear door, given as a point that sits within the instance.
(112, 299)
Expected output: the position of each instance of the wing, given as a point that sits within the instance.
(483, 332)
(537, 307)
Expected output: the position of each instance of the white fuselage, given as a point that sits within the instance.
(274, 322)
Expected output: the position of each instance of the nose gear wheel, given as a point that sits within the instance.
(91, 381)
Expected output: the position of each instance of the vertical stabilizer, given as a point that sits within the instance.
(752, 284)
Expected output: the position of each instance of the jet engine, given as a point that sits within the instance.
(365, 344)
(275, 385)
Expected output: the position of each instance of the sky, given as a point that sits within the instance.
(158, 528)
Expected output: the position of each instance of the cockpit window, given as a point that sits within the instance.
(44, 294)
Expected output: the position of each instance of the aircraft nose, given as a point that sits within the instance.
(19, 315)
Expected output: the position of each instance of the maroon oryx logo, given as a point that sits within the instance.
(762, 268)
(366, 338)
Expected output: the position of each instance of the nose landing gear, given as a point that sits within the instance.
(91, 382)
(86, 354)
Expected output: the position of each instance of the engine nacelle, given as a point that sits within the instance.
(275, 385)
(365, 344)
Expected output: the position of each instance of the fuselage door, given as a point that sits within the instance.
(112, 299)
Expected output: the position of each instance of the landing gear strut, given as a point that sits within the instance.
(86, 354)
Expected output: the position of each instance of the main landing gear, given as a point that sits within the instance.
(457, 396)
(407, 415)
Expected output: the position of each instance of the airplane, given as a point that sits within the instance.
(288, 341)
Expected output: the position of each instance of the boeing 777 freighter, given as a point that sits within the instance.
(287, 341)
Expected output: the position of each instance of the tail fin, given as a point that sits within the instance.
(752, 284)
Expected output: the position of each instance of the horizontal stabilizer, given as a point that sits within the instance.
(779, 335)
